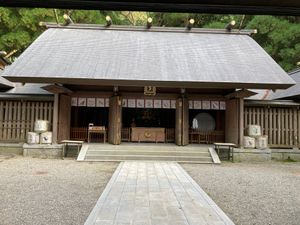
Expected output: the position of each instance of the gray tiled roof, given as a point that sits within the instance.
(29, 89)
(292, 92)
(261, 94)
(4, 84)
(20, 89)
(183, 59)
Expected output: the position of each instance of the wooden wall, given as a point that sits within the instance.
(234, 121)
(281, 124)
(18, 117)
(64, 117)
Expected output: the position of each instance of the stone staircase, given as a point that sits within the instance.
(148, 152)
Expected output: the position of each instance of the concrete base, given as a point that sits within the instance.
(14, 148)
(252, 155)
(53, 151)
(256, 155)
(146, 152)
(286, 154)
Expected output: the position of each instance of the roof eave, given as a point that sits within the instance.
(158, 83)
(145, 29)
(31, 97)
(277, 103)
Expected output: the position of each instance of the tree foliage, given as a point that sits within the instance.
(279, 36)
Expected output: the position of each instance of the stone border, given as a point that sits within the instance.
(93, 215)
(252, 155)
(209, 201)
(214, 156)
(53, 151)
(82, 152)
(286, 154)
(14, 148)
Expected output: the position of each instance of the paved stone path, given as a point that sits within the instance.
(155, 193)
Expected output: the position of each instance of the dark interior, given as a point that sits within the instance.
(82, 116)
(148, 117)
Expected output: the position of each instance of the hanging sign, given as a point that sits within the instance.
(150, 90)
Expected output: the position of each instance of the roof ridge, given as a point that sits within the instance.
(145, 29)
(297, 70)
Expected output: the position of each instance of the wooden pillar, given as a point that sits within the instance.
(64, 117)
(115, 120)
(55, 118)
(241, 122)
(178, 124)
(185, 120)
(234, 124)
(182, 122)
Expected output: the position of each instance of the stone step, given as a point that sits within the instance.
(147, 152)
(147, 158)
(147, 147)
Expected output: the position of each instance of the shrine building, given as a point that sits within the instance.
(141, 84)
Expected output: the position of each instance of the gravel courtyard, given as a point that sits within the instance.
(53, 192)
(49, 192)
(252, 194)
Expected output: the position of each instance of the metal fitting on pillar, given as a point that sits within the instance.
(182, 92)
(116, 90)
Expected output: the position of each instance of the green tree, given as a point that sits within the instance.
(279, 37)
(19, 27)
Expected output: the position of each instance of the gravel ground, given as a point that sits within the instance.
(49, 192)
(253, 194)
(53, 192)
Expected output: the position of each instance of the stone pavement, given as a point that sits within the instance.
(154, 193)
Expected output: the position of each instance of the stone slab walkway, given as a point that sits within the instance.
(154, 193)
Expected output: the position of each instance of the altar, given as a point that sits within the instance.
(148, 134)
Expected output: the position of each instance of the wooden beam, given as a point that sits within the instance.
(57, 89)
(64, 117)
(234, 124)
(55, 118)
(243, 93)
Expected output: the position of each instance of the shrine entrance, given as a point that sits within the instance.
(206, 121)
(87, 112)
(141, 124)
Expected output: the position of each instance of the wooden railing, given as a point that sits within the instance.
(205, 137)
(280, 124)
(170, 135)
(17, 118)
(125, 134)
(79, 133)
